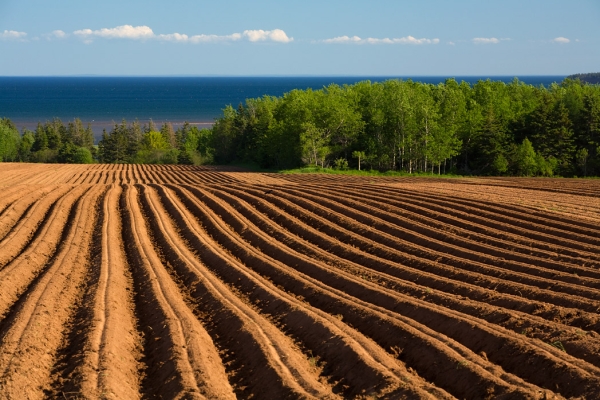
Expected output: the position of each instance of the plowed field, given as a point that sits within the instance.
(127, 281)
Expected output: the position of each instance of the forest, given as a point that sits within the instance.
(55, 142)
(489, 128)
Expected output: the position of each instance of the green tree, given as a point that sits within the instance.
(154, 140)
(552, 132)
(113, 147)
(500, 164)
(83, 155)
(190, 139)
(588, 135)
(56, 133)
(470, 130)
(78, 135)
(360, 155)
(315, 144)
(492, 141)
(27, 141)
(9, 141)
(169, 134)
(40, 138)
(525, 159)
(223, 137)
(394, 113)
(72, 154)
(582, 160)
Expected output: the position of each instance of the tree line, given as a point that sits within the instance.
(55, 142)
(50, 143)
(489, 128)
(137, 144)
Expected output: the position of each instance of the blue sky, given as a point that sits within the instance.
(308, 37)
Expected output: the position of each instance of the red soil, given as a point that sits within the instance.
(129, 281)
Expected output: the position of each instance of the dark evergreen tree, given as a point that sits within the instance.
(492, 143)
(40, 138)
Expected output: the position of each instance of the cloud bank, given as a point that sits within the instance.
(13, 35)
(403, 40)
(145, 33)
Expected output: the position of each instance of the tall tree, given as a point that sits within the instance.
(169, 134)
(9, 141)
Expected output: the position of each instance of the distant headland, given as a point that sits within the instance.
(593, 77)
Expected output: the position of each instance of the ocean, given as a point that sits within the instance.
(102, 101)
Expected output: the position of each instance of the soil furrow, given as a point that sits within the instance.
(357, 363)
(10, 216)
(31, 336)
(280, 360)
(471, 332)
(100, 358)
(392, 329)
(16, 276)
(28, 224)
(390, 222)
(370, 239)
(176, 281)
(12, 195)
(423, 271)
(577, 342)
(182, 361)
(522, 201)
(459, 223)
(524, 217)
(553, 190)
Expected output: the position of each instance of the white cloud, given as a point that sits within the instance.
(183, 38)
(403, 40)
(412, 40)
(343, 39)
(276, 35)
(174, 37)
(215, 38)
(378, 41)
(452, 43)
(561, 40)
(120, 32)
(13, 35)
(486, 40)
(145, 33)
(57, 34)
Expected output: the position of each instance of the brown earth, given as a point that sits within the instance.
(129, 281)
